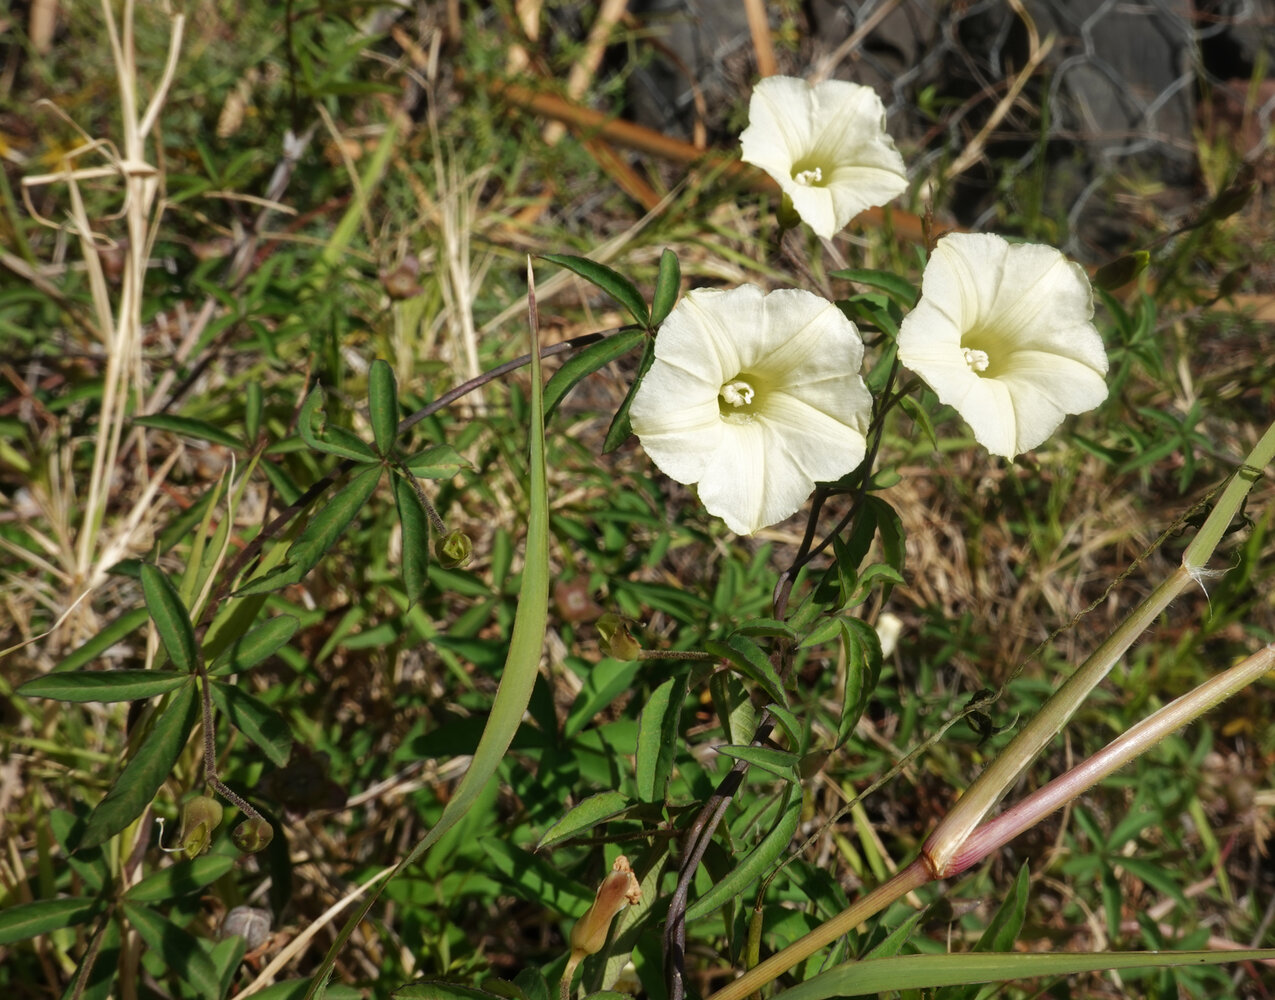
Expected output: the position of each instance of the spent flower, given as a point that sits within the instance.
(754, 397)
(826, 146)
(1004, 334)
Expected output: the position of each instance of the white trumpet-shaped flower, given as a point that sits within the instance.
(1003, 333)
(827, 147)
(754, 397)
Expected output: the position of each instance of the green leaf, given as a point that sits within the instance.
(790, 725)
(893, 942)
(747, 657)
(415, 521)
(588, 361)
(438, 990)
(1003, 929)
(919, 972)
(125, 624)
(256, 720)
(103, 685)
(517, 680)
(181, 879)
(200, 430)
(585, 815)
(171, 618)
(922, 420)
(621, 427)
(135, 787)
(536, 879)
(256, 646)
(768, 627)
(325, 527)
(252, 406)
(900, 291)
(382, 403)
(312, 424)
(755, 863)
(28, 920)
(862, 647)
(611, 282)
(440, 461)
(657, 738)
(777, 762)
(180, 949)
(667, 285)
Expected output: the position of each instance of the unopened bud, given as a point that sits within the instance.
(617, 640)
(454, 550)
(618, 890)
(252, 835)
(1121, 271)
(200, 818)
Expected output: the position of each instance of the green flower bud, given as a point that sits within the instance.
(618, 890)
(1121, 271)
(787, 214)
(617, 641)
(252, 835)
(454, 549)
(200, 818)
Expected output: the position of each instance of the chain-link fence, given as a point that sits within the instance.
(1101, 113)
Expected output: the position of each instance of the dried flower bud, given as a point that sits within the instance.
(200, 818)
(617, 640)
(248, 922)
(454, 550)
(618, 890)
(252, 835)
(401, 282)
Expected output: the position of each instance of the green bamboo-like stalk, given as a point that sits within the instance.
(945, 851)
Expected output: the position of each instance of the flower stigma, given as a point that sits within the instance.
(809, 177)
(737, 399)
(976, 359)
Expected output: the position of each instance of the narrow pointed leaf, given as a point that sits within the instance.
(588, 361)
(103, 685)
(172, 620)
(200, 430)
(325, 527)
(125, 625)
(584, 816)
(778, 762)
(180, 949)
(136, 786)
(258, 645)
(657, 738)
(181, 879)
(900, 291)
(621, 427)
(919, 972)
(611, 282)
(415, 521)
(28, 920)
(313, 426)
(747, 657)
(382, 403)
(256, 720)
(667, 285)
(440, 461)
(757, 862)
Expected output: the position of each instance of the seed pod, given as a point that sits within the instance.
(200, 818)
(252, 835)
(454, 550)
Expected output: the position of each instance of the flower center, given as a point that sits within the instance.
(810, 177)
(738, 393)
(976, 359)
(739, 400)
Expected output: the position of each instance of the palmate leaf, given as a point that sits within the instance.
(325, 527)
(136, 785)
(611, 282)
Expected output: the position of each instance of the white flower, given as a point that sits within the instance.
(755, 397)
(1003, 333)
(827, 147)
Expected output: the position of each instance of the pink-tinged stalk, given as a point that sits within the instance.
(1134, 742)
